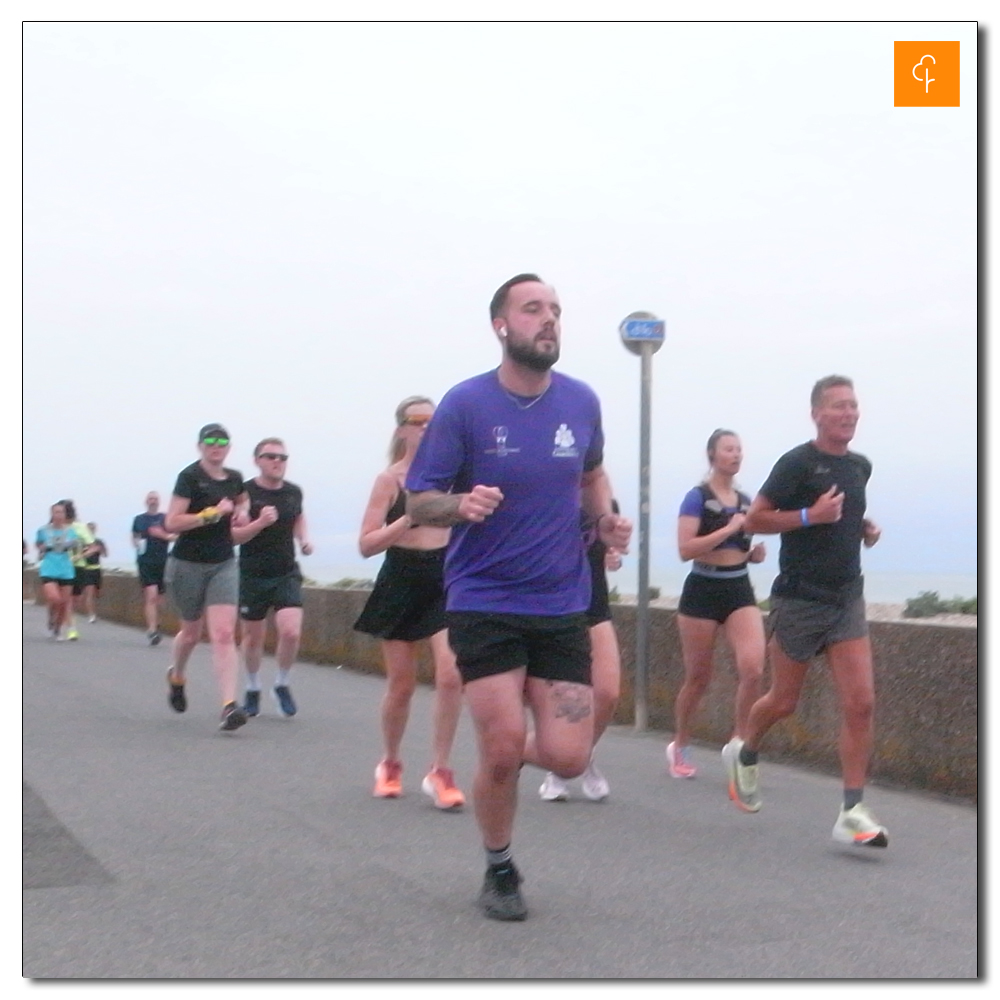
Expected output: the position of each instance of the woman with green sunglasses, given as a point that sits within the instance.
(201, 576)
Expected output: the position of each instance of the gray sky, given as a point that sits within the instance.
(290, 227)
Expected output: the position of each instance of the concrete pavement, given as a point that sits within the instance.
(158, 848)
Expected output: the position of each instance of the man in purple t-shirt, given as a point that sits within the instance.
(507, 461)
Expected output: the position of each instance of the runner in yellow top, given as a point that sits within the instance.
(87, 547)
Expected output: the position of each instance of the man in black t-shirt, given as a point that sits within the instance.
(201, 575)
(269, 574)
(815, 498)
(152, 545)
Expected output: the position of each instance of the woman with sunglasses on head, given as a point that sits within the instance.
(405, 606)
(717, 594)
(57, 543)
(201, 576)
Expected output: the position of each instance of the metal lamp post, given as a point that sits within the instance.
(643, 334)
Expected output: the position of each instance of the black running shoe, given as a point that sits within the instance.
(232, 717)
(178, 700)
(284, 699)
(500, 897)
(251, 703)
(154, 638)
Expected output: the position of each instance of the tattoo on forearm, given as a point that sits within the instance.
(573, 701)
(435, 512)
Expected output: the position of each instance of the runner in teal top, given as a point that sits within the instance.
(56, 543)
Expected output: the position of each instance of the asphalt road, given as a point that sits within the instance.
(156, 847)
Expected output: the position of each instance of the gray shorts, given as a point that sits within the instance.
(194, 586)
(805, 628)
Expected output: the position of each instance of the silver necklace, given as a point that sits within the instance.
(517, 400)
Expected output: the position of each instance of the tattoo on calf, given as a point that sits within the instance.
(573, 701)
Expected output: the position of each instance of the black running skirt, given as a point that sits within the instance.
(600, 599)
(407, 602)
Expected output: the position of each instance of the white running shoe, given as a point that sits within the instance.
(553, 789)
(744, 779)
(594, 785)
(858, 826)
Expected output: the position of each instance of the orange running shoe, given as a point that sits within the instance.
(440, 786)
(388, 780)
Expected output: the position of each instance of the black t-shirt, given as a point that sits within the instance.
(824, 555)
(272, 551)
(156, 548)
(211, 543)
(93, 561)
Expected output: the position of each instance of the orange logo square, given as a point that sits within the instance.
(925, 75)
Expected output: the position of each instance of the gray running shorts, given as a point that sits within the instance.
(805, 628)
(194, 586)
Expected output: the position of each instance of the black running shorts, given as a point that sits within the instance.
(258, 594)
(86, 578)
(552, 648)
(715, 598)
(151, 573)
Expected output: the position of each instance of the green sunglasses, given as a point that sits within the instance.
(215, 442)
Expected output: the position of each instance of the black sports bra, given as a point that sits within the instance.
(398, 508)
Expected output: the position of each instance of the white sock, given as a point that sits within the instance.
(253, 681)
(281, 680)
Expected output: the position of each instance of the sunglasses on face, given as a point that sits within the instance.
(215, 442)
(416, 421)
(273, 456)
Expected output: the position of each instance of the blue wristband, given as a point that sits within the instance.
(804, 515)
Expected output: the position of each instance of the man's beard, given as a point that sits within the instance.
(530, 357)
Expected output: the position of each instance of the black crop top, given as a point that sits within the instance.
(398, 508)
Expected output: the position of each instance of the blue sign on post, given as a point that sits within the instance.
(643, 334)
(642, 331)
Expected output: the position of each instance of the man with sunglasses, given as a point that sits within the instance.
(201, 576)
(269, 574)
(507, 463)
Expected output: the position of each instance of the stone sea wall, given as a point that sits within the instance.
(926, 682)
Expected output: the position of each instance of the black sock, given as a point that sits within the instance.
(497, 859)
(852, 796)
(748, 757)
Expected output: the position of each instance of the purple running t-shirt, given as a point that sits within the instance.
(528, 556)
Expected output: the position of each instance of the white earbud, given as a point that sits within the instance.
(503, 331)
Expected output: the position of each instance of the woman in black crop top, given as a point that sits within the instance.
(405, 606)
(717, 593)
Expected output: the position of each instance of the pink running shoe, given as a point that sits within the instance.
(679, 762)
(388, 780)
